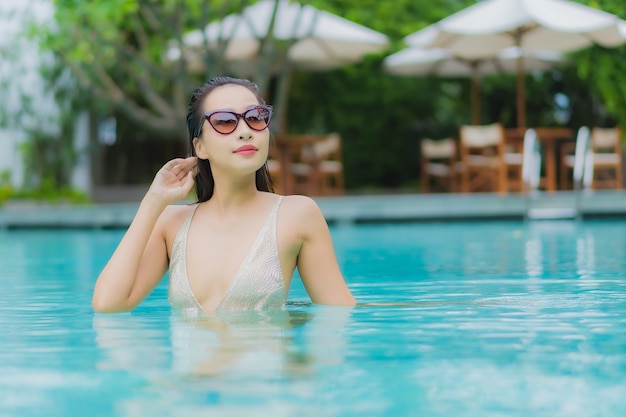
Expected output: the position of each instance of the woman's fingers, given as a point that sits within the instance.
(189, 182)
(172, 164)
(175, 179)
(186, 167)
(180, 167)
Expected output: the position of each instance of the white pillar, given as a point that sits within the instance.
(81, 176)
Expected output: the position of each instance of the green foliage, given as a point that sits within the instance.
(6, 189)
(48, 163)
(118, 52)
(396, 18)
(48, 153)
(599, 95)
(594, 82)
(48, 192)
(48, 159)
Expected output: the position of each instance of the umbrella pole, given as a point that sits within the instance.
(475, 94)
(521, 88)
(521, 94)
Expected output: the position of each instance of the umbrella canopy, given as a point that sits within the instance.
(315, 38)
(302, 37)
(484, 29)
(441, 62)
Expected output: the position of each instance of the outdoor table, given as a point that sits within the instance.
(549, 138)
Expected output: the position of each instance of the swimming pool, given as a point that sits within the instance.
(490, 319)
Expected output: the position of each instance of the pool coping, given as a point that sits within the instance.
(355, 209)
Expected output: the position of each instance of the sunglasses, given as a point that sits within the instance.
(225, 122)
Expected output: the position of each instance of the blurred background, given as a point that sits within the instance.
(94, 94)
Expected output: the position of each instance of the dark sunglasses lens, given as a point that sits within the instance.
(223, 122)
(257, 118)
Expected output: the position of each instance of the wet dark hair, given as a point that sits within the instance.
(195, 119)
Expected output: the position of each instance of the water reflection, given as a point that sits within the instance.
(585, 255)
(131, 342)
(291, 341)
(245, 363)
(574, 250)
(532, 255)
(247, 342)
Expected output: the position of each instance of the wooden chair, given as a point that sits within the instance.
(606, 145)
(328, 156)
(301, 169)
(314, 164)
(439, 165)
(606, 159)
(482, 150)
(513, 161)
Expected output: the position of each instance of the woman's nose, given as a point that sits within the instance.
(245, 135)
(244, 130)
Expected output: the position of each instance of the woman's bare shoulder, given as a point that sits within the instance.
(302, 213)
(173, 217)
(299, 205)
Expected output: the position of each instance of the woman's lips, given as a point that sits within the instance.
(246, 150)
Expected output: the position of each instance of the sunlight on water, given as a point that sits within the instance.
(483, 319)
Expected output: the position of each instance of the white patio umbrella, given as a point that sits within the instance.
(484, 29)
(317, 39)
(416, 61)
(306, 38)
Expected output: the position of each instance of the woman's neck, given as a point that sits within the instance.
(233, 194)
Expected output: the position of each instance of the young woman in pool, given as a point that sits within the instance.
(237, 247)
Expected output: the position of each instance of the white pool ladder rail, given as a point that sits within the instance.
(531, 173)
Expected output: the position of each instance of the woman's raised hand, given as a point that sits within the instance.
(174, 180)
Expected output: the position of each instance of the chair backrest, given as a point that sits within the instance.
(438, 149)
(605, 139)
(329, 147)
(479, 136)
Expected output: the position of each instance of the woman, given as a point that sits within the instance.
(238, 246)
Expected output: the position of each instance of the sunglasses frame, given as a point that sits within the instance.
(239, 116)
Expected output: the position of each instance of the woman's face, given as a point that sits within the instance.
(244, 150)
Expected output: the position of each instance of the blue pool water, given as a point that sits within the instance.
(482, 319)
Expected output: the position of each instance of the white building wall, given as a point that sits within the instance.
(10, 157)
(21, 81)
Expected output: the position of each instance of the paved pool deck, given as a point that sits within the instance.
(356, 209)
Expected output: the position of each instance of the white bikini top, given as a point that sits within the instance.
(257, 285)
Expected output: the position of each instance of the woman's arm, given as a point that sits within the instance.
(317, 263)
(140, 260)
